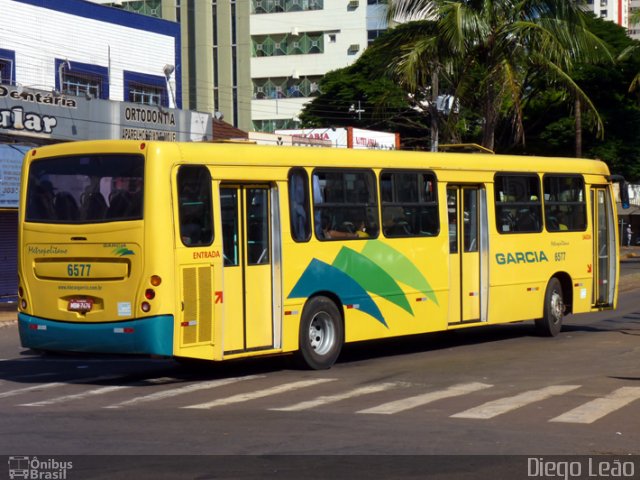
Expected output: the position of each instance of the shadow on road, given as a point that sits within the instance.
(35, 367)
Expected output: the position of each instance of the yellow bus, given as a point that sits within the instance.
(221, 251)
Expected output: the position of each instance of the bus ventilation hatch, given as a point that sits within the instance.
(197, 292)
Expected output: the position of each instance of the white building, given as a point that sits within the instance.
(295, 42)
(74, 70)
(618, 11)
(634, 28)
(613, 10)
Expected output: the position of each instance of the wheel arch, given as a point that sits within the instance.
(567, 289)
(331, 296)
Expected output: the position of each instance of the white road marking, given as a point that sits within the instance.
(504, 405)
(325, 399)
(76, 396)
(425, 398)
(45, 386)
(194, 387)
(34, 388)
(245, 397)
(600, 407)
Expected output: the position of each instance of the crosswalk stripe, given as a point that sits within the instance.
(244, 397)
(194, 387)
(325, 399)
(45, 386)
(33, 388)
(76, 396)
(504, 405)
(425, 398)
(598, 408)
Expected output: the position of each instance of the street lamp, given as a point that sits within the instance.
(168, 70)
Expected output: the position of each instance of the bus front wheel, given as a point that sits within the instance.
(551, 322)
(321, 334)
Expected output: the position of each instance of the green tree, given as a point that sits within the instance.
(489, 50)
(548, 115)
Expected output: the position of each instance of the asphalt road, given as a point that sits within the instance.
(499, 391)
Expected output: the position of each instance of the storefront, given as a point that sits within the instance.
(10, 163)
(30, 117)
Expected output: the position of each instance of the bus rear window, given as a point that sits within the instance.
(85, 189)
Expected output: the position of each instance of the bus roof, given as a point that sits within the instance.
(250, 155)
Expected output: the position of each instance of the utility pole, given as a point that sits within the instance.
(434, 111)
(358, 110)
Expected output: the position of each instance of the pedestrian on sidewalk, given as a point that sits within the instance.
(629, 235)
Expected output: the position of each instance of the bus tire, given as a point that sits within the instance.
(551, 322)
(321, 334)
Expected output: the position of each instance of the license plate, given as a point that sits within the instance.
(80, 305)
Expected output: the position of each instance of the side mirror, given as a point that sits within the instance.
(624, 189)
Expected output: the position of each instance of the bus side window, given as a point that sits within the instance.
(565, 205)
(299, 205)
(517, 203)
(194, 206)
(345, 204)
(409, 204)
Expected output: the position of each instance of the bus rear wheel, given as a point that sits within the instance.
(551, 322)
(321, 334)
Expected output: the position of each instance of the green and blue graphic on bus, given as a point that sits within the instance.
(377, 269)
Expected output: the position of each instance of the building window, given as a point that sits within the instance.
(80, 85)
(283, 6)
(7, 66)
(285, 87)
(373, 34)
(151, 8)
(145, 94)
(76, 78)
(145, 89)
(272, 125)
(287, 44)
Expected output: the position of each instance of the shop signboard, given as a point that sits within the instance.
(49, 115)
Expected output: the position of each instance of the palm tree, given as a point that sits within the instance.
(634, 18)
(488, 49)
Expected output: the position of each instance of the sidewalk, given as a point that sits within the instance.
(629, 252)
(8, 313)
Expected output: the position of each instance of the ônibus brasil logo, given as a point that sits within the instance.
(38, 469)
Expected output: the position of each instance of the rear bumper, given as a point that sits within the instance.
(151, 336)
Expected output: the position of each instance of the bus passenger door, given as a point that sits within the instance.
(468, 251)
(605, 261)
(248, 273)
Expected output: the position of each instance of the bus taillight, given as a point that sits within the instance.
(156, 280)
(149, 294)
(145, 306)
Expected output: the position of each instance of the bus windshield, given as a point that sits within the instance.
(85, 189)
